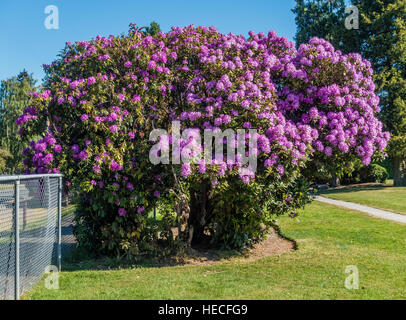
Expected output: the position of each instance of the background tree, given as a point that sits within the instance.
(153, 28)
(4, 155)
(14, 99)
(324, 19)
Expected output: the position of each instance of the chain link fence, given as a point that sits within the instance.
(30, 230)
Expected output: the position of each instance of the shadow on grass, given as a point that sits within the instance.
(275, 243)
(81, 260)
(356, 188)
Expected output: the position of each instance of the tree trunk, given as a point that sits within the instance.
(399, 172)
(335, 181)
(199, 209)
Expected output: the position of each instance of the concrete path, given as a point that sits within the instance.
(358, 207)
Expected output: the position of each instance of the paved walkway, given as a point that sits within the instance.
(358, 207)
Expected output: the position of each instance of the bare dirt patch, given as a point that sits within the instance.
(273, 245)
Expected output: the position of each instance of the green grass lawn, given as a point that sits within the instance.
(328, 238)
(386, 198)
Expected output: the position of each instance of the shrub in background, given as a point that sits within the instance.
(373, 173)
(387, 163)
(365, 174)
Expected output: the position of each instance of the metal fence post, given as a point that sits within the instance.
(17, 239)
(59, 224)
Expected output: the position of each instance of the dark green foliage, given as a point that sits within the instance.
(373, 173)
(388, 165)
(383, 35)
(242, 214)
(317, 173)
(4, 155)
(324, 19)
(13, 100)
(153, 29)
(366, 174)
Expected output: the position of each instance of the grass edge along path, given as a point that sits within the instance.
(329, 239)
(365, 209)
(379, 197)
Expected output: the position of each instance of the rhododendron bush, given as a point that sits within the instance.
(103, 98)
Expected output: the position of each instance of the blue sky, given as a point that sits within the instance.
(26, 43)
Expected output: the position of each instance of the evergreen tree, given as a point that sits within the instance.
(14, 99)
(324, 19)
(4, 155)
(153, 28)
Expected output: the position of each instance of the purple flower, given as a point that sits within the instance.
(136, 97)
(151, 64)
(130, 186)
(83, 155)
(50, 140)
(113, 128)
(185, 170)
(339, 101)
(40, 147)
(202, 166)
(47, 159)
(75, 148)
(122, 212)
(112, 117)
(128, 64)
(84, 117)
(245, 179)
(114, 166)
(91, 80)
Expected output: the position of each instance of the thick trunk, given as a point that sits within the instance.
(335, 181)
(399, 172)
(199, 210)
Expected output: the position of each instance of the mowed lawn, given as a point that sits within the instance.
(386, 198)
(329, 239)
